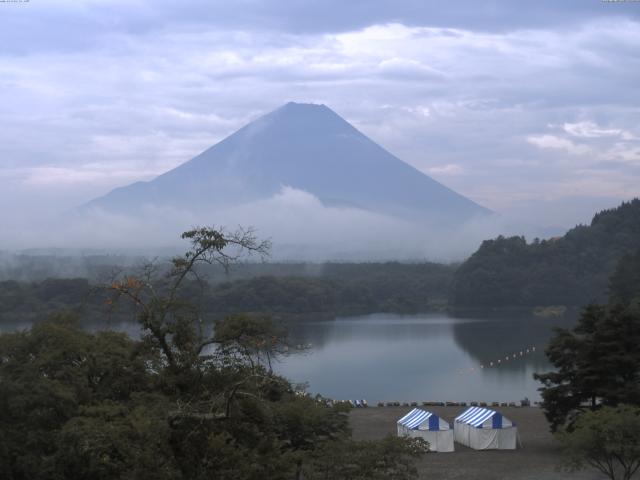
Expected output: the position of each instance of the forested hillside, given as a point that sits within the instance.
(329, 289)
(570, 270)
(624, 286)
(341, 289)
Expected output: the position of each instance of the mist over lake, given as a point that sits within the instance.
(222, 224)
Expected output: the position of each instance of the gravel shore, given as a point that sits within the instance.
(538, 459)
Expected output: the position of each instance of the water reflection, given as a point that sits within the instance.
(491, 339)
(388, 357)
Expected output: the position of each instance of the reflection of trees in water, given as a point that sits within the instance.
(484, 339)
(377, 327)
(317, 333)
(492, 339)
(385, 354)
(461, 343)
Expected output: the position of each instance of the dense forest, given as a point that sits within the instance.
(329, 289)
(624, 286)
(597, 360)
(340, 289)
(100, 406)
(571, 270)
(591, 396)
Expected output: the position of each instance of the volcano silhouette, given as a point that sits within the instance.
(303, 146)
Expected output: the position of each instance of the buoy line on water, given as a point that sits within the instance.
(499, 361)
(502, 360)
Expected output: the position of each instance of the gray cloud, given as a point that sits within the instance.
(65, 25)
(336, 233)
(533, 114)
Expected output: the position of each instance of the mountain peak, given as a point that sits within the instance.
(310, 110)
(296, 106)
(297, 120)
(305, 146)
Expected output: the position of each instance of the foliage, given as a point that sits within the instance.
(55, 378)
(340, 289)
(392, 458)
(569, 270)
(624, 285)
(179, 403)
(608, 440)
(168, 320)
(596, 363)
(255, 339)
(328, 289)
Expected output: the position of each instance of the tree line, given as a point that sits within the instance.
(179, 403)
(592, 398)
(340, 289)
(572, 270)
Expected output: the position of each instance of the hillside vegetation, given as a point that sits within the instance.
(330, 289)
(570, 270)
(177, 403)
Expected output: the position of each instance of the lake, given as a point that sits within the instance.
(387, 357)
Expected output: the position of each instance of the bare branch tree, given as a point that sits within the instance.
(174, 325)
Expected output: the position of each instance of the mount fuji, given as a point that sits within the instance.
(306, 147)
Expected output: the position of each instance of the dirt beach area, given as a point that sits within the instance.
(539, 457)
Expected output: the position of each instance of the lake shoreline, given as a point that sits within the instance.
(418, 358)
(539, 458)
(390, 357)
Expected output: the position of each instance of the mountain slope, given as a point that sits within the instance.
(569, 270)
(307, 147)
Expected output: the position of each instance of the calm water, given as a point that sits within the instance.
(387, 357)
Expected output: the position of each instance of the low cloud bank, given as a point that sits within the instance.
(300, 226)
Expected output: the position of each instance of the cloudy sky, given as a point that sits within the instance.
(531, 109)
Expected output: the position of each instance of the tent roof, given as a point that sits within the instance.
(415, 418)
(475, 416)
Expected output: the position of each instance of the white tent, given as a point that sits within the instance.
(484, 429)
(422, 424)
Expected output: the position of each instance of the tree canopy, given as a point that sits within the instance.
(180, 402)
(608, 440)
(287, 291)
(624, 285)
(597, 362)
(570, 270)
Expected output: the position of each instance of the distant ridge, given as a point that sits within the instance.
(307, 147)
(572, 270)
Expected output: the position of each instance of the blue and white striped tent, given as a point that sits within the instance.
(484, 429)
(430, 427)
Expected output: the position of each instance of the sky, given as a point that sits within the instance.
(531, 109)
